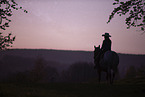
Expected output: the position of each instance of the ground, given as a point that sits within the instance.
(122, 88)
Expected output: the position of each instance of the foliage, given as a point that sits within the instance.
(6, 7)
(41, 72)
(5, 41)
(79, 72)
(38, 72)
(131, 72)
(136, 10)
(141, 71)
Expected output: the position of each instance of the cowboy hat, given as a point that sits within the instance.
(106, 34)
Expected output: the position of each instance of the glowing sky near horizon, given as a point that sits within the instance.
(72, 25)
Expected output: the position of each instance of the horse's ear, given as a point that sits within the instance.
(94, 46)
(99, 46)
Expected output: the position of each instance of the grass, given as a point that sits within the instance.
(122, 88)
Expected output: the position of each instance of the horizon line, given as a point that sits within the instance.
(65, 50)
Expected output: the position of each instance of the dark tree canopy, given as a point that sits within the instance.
(6, 8)
(136, 11)
(6, 41)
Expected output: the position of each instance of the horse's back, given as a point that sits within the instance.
(111, 58)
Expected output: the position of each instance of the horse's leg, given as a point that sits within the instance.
(99, 73)
(109, 76)
(115, 71)
(113, 77)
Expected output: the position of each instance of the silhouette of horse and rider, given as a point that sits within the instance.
(105, 59)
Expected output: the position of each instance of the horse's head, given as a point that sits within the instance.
(97, 50)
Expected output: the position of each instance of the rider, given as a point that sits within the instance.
(106, 46)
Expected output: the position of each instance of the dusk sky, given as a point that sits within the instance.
(72, 25)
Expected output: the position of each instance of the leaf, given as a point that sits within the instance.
(128, 27)
(134, 7)
(9, 14)
(133, 24)
(2, 28)
(142, 28)
(25, 11)
(114, 3)
(10, 34)
(7, 26)
(121, 2)
(140, 25)
(3, 46)
(0, 20)
(7, 45)
(10, 10)
(117, 0)
(6, 23)
(14, 2)
(14, 38)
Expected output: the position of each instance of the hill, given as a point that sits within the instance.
(61, 56)
(17, 60)
(68, 57)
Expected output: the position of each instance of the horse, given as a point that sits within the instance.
(107, 62)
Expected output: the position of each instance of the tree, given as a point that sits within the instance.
(43, 72)
(6, 7)
(5, 41)
(38, 72)
(131, 72)
(141, 71)
(136, 11)
(80, 72)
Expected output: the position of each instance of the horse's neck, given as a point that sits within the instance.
(98, 57)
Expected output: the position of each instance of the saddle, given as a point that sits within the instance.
(102, 54)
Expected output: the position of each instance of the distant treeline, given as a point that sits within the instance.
(61, 66)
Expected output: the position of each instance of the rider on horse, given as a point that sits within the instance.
(106, 46)
(105, 59)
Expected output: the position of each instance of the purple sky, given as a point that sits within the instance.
(72, 25)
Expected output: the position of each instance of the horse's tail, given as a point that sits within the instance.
(116, 58)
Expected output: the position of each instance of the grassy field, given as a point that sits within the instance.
(123, 88)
